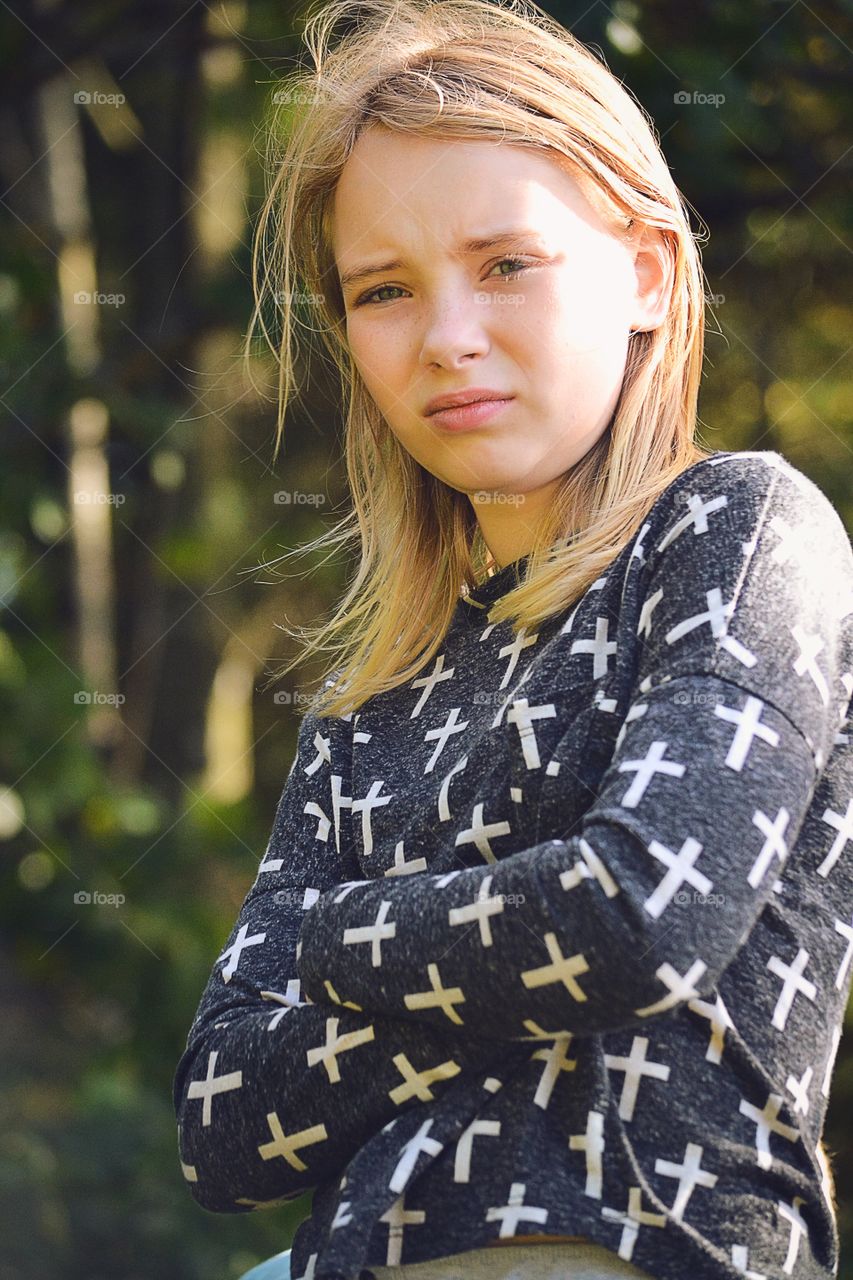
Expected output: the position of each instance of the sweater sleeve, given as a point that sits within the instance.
(736, 702)
(274, 1093)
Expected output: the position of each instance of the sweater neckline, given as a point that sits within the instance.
(504, 580)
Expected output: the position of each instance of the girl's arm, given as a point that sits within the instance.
(273, 1094)
(741, 688)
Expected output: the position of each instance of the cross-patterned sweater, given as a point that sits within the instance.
(556, 937)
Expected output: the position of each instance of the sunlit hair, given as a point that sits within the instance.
(470, 70)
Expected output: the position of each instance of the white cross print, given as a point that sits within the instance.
(428, 683)
(335, 1044)
(513, 652)
(409, 1155)
(793, 981)
(804, 664)
(213, 1084)
(846, 932)
(442, 736)
(561, 969)
(646, 769)
(323, 755)
(600, 647)
(740, 1258)
(774, 845)
(287, 1001)
(398, 1217)
(445, 997)
(766, 1122)
(514, 1211)
(480, 833)
(342, 1216)
(480, 909)
(696, 515)
(556, 1060)
(364, 806)
(800, 1090)
(798, 1227)
(403, 868)
(309, 1271)
(588, 867)
(631, 1222)
(523, 716)
(444, 791)
(716, 615)
(718, 1016)
(285, 1146)
(417, 1083)
(680, 989)
(635, 1067)
(373, 933)
(690, 1175)
(843, 824)
(232, 954)
(644, 626)
(465, 1143)
(789, 545)
(748, 721)
(680, 869)
(324, 826)
(339, 802)
(592, 1144)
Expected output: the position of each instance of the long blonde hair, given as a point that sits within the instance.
(466, 69)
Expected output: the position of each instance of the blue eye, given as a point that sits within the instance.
(518, 263)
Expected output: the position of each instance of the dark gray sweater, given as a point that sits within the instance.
(556, 938)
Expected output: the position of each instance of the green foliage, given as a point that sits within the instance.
(97, 997)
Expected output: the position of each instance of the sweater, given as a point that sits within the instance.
(556, 937)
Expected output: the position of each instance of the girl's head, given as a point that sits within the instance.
(421, 129)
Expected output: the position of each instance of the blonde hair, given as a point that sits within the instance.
(467, 69)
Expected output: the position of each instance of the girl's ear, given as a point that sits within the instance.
(654, 270)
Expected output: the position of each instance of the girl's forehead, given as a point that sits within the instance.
(392, 180)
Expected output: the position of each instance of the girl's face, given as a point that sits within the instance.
(542, 315)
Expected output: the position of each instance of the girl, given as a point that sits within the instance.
(544, 969)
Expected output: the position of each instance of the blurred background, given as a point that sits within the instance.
(141, 756)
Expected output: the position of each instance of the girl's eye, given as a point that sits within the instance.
(518, 264)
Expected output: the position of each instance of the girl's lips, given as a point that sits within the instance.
(469, 415)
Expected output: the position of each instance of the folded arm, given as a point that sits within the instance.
(274, 1094)
(735, 706)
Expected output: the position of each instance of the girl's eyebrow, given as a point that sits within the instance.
(510, 237)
